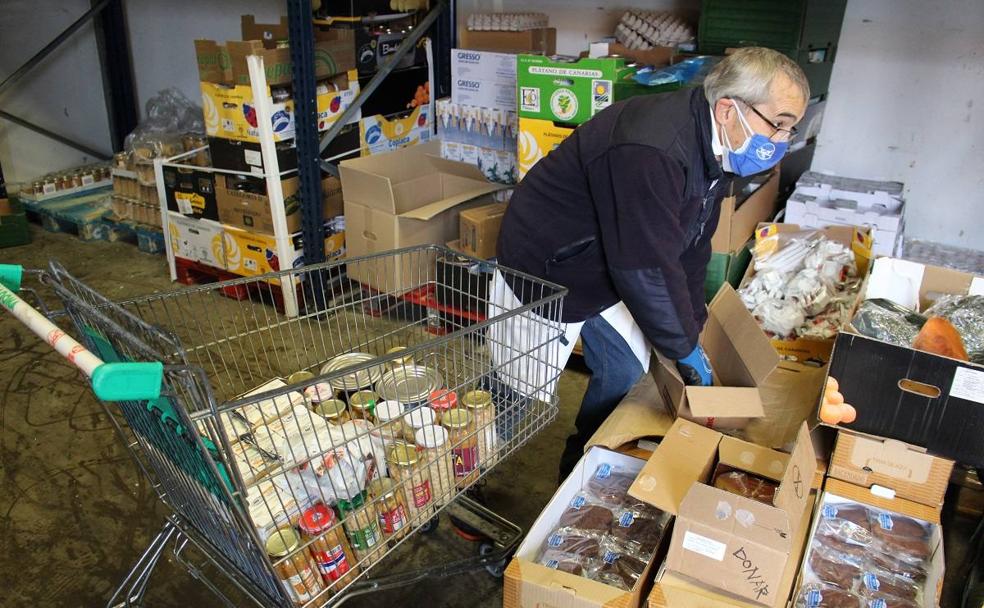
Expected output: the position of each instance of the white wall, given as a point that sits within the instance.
(63, 94)
(905, 104)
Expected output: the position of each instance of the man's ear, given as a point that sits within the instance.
(724, 110)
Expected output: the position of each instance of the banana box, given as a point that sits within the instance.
(230, 111)
(250, 254)
(537, 138)
(379, 134)
(198, 240)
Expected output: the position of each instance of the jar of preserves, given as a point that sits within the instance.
(361, 526)
(363, 405)
(295, 568)
(406, 360)
(479, 404)
(442, 401)
(434, 450)
(330, 548)
(332, 410)
(299, 377)
(318, 392)
(416, 419)
(389, 422)
(406, 469)
(390, 507)
(464, 445)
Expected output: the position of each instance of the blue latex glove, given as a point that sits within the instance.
(696, 368)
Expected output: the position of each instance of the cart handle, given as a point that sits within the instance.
(124, 381)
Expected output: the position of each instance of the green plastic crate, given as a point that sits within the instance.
(13, 226)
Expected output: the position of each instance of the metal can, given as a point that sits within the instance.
(332, 410)
(405, 361)
(352, 380)
(295, 568)
(393, 517)
(363, 405)
(330, 548)
(300, 377)
(411, 385)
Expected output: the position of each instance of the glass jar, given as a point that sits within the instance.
(300, 377)
(464, 445)
(406, 469)
(318, 392)
(400, 362)
(330, 548)
(361, 526)
(389, 421)
(297, 569)
(479, 404)
(433, 443)
(363, 405)
(333, 411)
(416, 419)
(442, 401)
(390, 507)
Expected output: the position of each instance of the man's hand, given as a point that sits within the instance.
(696, 368)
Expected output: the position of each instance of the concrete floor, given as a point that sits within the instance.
(75, 513)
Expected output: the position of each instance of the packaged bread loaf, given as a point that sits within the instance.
(858, 515)
(610, 484)
(877, 581)
(574, 541)
(747, 485)
(818, 595)
(584, 512)
(620, 568)
(834, 568)
(568, 562)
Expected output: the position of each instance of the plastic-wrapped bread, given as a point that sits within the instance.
(568, 562)
(902, 536)
(585, 513)
(747, 485)
(818, 595)
(834, 568)
(574, 541)
(620, 569)
(876, 581)
(610, 483)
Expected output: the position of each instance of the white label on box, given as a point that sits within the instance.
(968, 384)
(253, 157)
(976, 287)
(184, 205)
(708, 547)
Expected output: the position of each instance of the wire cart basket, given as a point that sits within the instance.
(296, 452)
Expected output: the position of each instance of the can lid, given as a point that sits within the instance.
(381, 486)
(477, 399)
(282, 542)
(402, 454)
(363, 399)
(431, 436)
(356, 379)
(456, 419)
(419, 417)
(443, 399)
(330, 408)
(317, 519)
(387, 411)
(409, 383)
(298, 377)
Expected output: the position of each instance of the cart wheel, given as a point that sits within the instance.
(498, 568)
(431, 525)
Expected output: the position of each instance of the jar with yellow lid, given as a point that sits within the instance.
(390, 507)
(294, 567)
(464, 445)
(333, 411)
(406, 469)
(434, 451)
(479, 404)
(363, 405)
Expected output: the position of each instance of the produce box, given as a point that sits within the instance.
(13, 224)
(478, 229)
(536, 139)
(190, 192)
(714, 541)
(917, 397)
(250, 254)
(484, 79)
(531, 584)
(198, 240)
(246, 157)
(572, 91)
(539, 41)
(379, 134)
(243, 202)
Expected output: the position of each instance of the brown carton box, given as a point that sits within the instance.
(403, 198)
(479, 229)
(540, 41)
(251, 210)
(742, 359)
(721, 539)
(739, 218)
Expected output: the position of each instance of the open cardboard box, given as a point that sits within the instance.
(804, 350)
(531, 585)
(403, 198)
(478, 230)
(741, 358)
(721, 539)
(916, 397)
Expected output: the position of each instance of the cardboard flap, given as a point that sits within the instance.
(753, 458)
(744, 332)
(641, 413)
(724, 402)
(434, 209)
(684, 457)
(454, 167)
(794, 489)
(748, 519)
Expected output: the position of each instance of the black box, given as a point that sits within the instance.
(912, 396)
(463, 284)
(190, 192)
(374, 44)
(245, 157)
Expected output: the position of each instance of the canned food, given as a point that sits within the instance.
(361, 526)
(363, 404)
(354, 380)
(410, 385)
(299, 377)
(332, 410)
(404, 361)
(390, 507)
(442, 401)
(298, 571)
(330, 548)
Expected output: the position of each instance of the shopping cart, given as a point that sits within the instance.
(295, 452)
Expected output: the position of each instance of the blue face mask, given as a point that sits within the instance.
(757, 154)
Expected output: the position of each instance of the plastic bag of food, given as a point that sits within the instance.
(619, 567)
(855, 513)
(582, 543)
(637, 531)
(586, 512)
(832, 567)
(966, 313)
(887, 321)
(610, 483)
(876, 581)
(747, 485)
(881, 600)
(912, 569)
(818, 595)
(568, 562)
(844, 531)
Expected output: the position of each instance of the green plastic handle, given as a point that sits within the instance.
(11, 276)
(128, 381)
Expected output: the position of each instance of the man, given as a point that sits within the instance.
(622, 213)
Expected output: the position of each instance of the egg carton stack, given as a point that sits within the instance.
(506, 22)
(643, 30)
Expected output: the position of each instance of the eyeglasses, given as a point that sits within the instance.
(780, 133)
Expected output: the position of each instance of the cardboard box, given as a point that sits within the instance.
(485, 93)
(815, 350)
(379, 134)
(721, 539)
(250, 254)
(190, 192)
(539, 41)
(530, 585)
(725, 268)
(641, 414)
(334, 53)
(198, 240)
(484, 79)
(536, 139)
(891, 465)
(374, 45)
(479, 229)
(741, 358)
(573, 91)
(404, 198)
(245, 157)
(916, 397)
(839, 492)
(249, 207)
